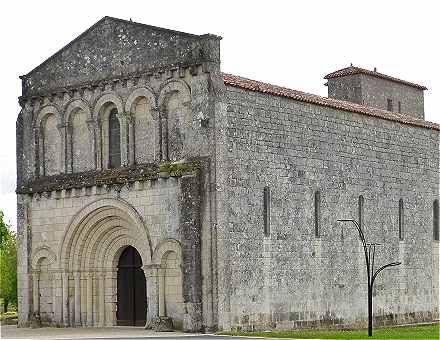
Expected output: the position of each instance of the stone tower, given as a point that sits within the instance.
(374, 89)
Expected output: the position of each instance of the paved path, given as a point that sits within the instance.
(120, 333)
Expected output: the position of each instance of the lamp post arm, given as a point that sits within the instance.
(384, 267)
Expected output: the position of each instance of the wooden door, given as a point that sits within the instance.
(132, 297)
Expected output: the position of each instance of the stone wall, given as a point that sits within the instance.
(292, 278)
(346, 88)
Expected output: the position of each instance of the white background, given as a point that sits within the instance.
(288, 43)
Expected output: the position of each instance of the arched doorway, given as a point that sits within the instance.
(132, 297)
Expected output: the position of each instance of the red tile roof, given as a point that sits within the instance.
(257, 86)
(357, 70)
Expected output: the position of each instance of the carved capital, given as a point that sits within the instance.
(91, 124)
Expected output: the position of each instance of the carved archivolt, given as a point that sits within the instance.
(41, 253)
(95, 233)
(165, 247)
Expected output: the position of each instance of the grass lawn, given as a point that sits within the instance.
(413, 332)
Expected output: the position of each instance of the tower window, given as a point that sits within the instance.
(401, 219)
(389, 104)
(399, 107)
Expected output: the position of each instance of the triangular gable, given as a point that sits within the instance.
(111, 47)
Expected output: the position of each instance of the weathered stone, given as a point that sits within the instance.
(162, 324)
(217, 187)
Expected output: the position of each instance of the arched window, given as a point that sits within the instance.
(401, 219)
(317, 213)
(361, 211)
(114, 140)
(435, 220)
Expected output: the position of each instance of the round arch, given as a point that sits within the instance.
(41, 253)
(164, 247)
(45, 111)
(105, 99)
(173, 86)
(138, 93)
(96, 222)
(74, 105)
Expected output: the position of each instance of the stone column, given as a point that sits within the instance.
(101, 297)
(38, 132)
(63, 161)
(83, 286)
(111, 297)
(65, 284)
(36, 292)
(123, 120)
(90, 299)
(164, 137)
(77, 280)
(161, 277)
(69, 150)
(151, 273)
(131, 141)
(190, 224)
(57, 299)
(99, 146)
(24, 276)
(92, 139)
(157, 134)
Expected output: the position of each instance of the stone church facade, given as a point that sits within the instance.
(153, 189)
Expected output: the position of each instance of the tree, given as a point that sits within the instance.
(8, 265)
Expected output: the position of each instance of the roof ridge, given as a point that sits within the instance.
(257, 86)
(151, 26)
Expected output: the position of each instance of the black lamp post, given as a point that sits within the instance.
(370, 251)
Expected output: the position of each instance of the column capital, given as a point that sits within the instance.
(151, 270)
(101, 275)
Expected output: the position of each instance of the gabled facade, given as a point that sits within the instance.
(155, 190)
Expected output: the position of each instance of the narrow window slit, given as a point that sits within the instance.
(401, 220)
(317, 214)
(436, 221)
(266, 211)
